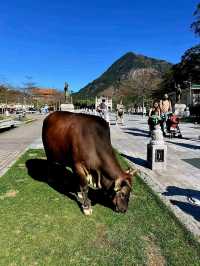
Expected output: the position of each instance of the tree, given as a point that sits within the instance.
(195, 26)
(27, 89)
(187, 70)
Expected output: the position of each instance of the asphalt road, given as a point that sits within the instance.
(13, 142)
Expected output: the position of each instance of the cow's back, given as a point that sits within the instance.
(70, 137)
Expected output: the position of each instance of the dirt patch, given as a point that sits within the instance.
(9, 194)
(101, 240)
(154, 257)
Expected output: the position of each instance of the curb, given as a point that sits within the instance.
(13, 162)
(187, 224)
(29, 121)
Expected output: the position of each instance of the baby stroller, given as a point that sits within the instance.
(172, 126)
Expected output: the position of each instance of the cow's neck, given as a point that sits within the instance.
(111, 170)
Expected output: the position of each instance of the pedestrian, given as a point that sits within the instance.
(155, 110)
(154, 115)
(120, 113)
(103, 110)
(166, 109)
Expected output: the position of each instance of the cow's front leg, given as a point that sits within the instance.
(86, 203)
(83, 194)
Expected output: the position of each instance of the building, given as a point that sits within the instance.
(195, 94)
(46, 95)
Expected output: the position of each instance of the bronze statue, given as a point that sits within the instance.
(66, 90)
(178, 93)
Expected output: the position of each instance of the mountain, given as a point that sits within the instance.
(131, 74)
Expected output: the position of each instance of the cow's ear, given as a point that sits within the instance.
(120, 182)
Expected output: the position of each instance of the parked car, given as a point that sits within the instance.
(31, 110)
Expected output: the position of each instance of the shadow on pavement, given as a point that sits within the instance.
(63, 181)
(138, 130)
(177, 191)
(137, 134)
(185, 206)
(186, 145)
(188, 208)
(193, 161)
(5, 129)
(135, 160)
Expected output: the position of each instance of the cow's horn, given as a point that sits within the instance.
(117, 184)
(132, 171)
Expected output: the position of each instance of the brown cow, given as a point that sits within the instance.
(82, 142)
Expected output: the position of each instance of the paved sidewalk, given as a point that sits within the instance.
(182, 177)
(13, 142)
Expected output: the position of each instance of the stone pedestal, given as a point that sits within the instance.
(67, 107)
(180, 109)
(157, 151)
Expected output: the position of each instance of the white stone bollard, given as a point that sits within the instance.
(157, 150)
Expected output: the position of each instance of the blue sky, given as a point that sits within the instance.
(75, 41)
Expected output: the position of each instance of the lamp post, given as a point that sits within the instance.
(190, 88)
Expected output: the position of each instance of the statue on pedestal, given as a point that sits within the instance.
(179, 108)
(178, 93)
(68, 105)
(67, 95)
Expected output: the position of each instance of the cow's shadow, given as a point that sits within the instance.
(64, 181)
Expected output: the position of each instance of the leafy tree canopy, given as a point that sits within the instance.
(196, 24)
(187, 70)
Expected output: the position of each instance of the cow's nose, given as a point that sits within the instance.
(122, 210)
(117, 209)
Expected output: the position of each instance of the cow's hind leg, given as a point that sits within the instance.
(83, 195)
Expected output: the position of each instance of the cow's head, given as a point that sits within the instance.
(122, 191)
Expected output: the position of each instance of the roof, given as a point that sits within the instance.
(43, 91)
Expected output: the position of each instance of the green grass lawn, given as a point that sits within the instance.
(40, 226)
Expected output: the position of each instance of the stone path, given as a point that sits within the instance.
(13, 142)
(181, 180)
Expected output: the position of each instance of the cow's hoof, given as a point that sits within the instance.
(87, 211)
